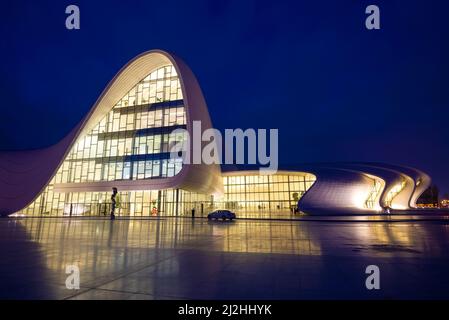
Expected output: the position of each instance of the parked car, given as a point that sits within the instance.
(221, 214)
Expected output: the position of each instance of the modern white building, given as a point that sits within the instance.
(124, 142)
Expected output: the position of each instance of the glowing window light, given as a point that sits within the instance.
(394, 192)
(370, 202)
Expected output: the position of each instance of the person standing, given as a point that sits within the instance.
(154, 211)
(113, 202)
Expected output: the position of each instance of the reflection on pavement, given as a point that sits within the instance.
(170, 258)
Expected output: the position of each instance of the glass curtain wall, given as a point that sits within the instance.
(394, 192)
(259, 196)
(131, 142)
(371, 201)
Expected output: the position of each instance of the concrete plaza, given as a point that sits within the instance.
(181, 258)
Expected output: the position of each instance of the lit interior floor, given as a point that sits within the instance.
(247, 259)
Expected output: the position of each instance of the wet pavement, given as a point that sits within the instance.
(180, 258)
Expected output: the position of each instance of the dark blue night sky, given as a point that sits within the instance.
(336, 91)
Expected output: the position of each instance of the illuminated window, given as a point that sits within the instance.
(117, 146)
(394, 192)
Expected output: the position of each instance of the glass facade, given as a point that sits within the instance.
(131, 142)
(394, 192)
(254, 195)
(371, 202)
